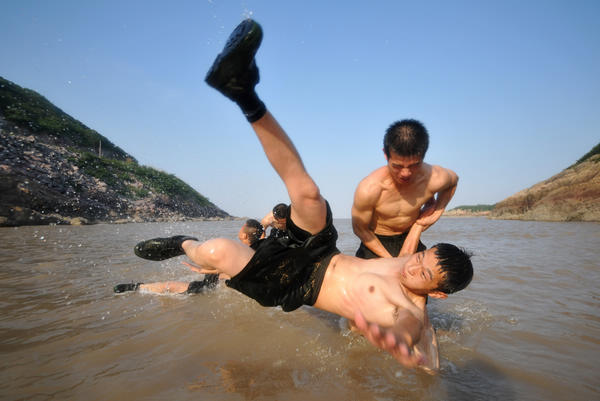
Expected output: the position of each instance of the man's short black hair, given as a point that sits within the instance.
(406, 138)
(254, 230)
(455, 264)
(280, 211)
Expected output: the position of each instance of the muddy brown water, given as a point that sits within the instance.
(528, 327)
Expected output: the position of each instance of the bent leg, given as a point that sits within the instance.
(220, 254)
(308, 206)
(234, 73)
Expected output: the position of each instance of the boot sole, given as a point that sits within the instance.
(238, 53)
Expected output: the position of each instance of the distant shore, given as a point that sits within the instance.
(466, 213)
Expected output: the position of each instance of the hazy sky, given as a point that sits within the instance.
(509, 90)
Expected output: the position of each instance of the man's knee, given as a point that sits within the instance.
(308, 190)
(211, 252)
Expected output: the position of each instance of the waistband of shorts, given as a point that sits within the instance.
(319, 275)
(395, 236)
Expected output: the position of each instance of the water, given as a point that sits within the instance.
(528, 327)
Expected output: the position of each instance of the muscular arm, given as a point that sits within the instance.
(388, 319)
(268, 220)
(443, 183)
(411, 243)
(365, 199)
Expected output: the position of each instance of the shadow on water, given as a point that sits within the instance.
(477, 380)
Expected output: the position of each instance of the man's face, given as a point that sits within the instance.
(403, 168)
(279, 223)
(421, 274)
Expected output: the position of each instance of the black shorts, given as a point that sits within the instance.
(393, 244)
(288, 272)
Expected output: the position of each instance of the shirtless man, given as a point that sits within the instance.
(385, 296)
(390, 199)
(276, 220)
(250, 233)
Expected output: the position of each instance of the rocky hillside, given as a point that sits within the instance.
(54, 169)
(571, 195)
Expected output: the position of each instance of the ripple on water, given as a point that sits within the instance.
(527, 323)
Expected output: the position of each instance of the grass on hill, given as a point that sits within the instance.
(30, 110)
(475, 208)
(120, 174)
(595, 150)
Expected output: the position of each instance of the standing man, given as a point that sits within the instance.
(405, 192)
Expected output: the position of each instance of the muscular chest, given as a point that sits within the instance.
(397, 204)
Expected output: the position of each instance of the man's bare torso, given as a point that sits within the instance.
(398, 205)
(352, 284)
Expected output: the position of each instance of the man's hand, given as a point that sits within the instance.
(444, 186)
(385, 339)
(429, 215)
(199, 269)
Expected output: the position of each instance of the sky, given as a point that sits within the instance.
(508, 90)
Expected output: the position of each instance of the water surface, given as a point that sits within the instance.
(527, 328)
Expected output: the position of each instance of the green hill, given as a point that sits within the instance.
(51, 171)
(30, 110)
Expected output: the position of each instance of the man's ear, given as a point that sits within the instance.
(438, 294)
(386, 156)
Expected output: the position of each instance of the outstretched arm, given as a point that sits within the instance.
(387, 318)
(393, 340)
(411, 243)
(268, 220)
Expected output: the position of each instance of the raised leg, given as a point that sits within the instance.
(308, 206)
(234, 73)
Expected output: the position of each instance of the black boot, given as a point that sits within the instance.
(210, 282)
(126, 287)
(161, 248)
(234, 72)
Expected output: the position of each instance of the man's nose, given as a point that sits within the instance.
(405, 172)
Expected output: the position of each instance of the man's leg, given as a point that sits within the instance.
(235, 74)
(166, 287)
(219, 255)
(308, 206)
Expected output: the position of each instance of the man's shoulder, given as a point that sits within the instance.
(376, 178)
(440, 175)
(370, 188)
